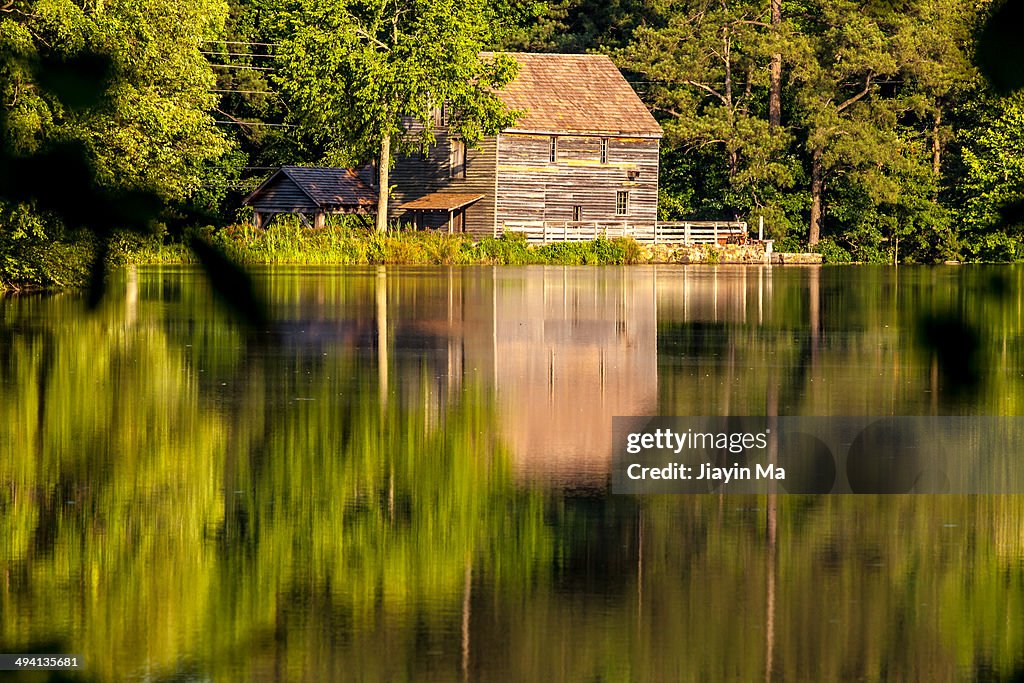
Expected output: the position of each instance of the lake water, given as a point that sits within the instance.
(408, 478)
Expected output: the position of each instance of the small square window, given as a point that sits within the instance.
(621, 203)
(577, 213)
(604, 150)
(553, 149)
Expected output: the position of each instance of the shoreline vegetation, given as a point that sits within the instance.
(293, 244)
(341, 244)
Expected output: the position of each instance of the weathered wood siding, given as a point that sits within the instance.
(414, 177)
(283, 196)
(520, 183)
(532, 188)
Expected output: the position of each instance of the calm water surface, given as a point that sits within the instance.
(408, 478)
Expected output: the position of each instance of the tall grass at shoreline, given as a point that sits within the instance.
(293, 244)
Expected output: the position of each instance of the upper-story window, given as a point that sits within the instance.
(440, 114)
(622, 203)
(604, 150)
(553, 149)
(457, 159)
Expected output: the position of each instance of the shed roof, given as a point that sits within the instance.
(564, 93)
(326, 187)
(441, 201)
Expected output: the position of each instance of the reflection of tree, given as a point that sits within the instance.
(164, 516)
(106, 497)
(934, 343)
(867, 588)
(178, 497)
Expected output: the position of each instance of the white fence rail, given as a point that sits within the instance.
(680, 232)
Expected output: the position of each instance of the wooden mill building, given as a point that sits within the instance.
(585, 149)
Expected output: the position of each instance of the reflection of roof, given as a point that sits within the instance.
(575, 94)
(441, 201)
(326, 187)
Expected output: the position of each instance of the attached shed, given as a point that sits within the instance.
(450, 205)
(311, 191)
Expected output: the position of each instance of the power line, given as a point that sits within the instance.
(255, 123)
(243, 66)
(237, 54)
(247, 92)
(239, 42)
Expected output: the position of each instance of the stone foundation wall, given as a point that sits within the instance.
(781, 258)
(721, 253)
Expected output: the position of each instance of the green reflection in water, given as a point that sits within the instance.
(395, 487)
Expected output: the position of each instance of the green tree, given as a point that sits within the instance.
(152, 129)
(706, 64)
(106, 120)
(574, 26)
(360, 73)
(841, 54)
(992, 177)
(868, 87)
(254, 115)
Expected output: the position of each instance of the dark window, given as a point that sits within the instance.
(440, 115)
(553, 149)
(621, 203)
(577, 213)
(457, 159)
(604, 150)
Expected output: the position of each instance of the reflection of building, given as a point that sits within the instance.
(571, 348)
(561, 351)
(727, 294)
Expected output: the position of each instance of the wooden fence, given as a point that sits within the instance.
(680, 232)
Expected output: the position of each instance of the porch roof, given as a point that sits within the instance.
(441, 201)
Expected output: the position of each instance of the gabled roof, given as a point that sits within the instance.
(326, 187)
(563, 93)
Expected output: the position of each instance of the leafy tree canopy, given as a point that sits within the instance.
(359, 73)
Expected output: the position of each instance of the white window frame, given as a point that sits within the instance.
(622, 200)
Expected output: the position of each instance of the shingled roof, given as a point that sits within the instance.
(442, 201)
(563, 93)
(327, 187)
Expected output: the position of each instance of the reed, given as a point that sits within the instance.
(293, 244)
